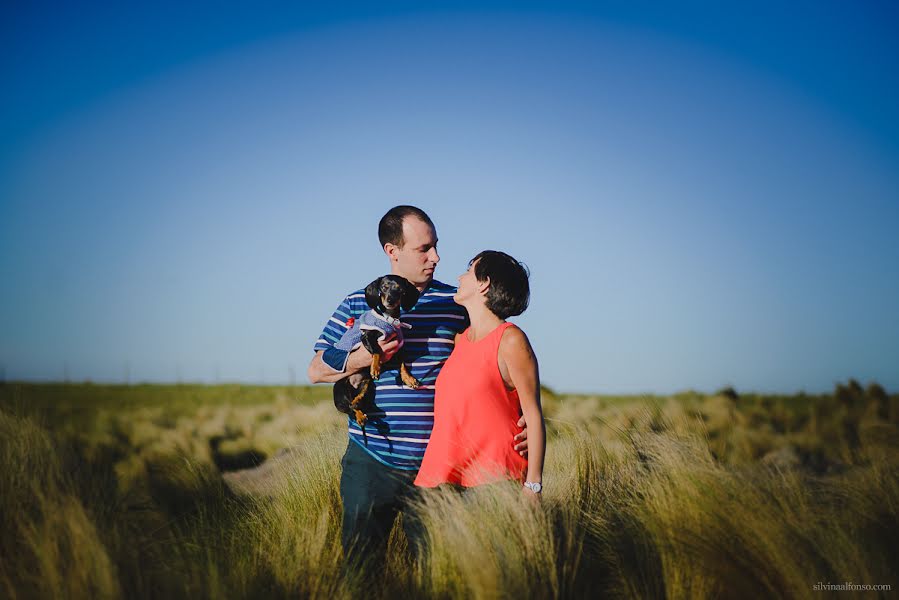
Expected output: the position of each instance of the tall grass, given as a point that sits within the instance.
(690, 496)
(50, 545)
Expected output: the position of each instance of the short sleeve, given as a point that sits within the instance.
(331, 334)
(335, 327)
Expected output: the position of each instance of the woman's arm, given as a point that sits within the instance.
(517, 355)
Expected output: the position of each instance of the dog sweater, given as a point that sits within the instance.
(352, 338)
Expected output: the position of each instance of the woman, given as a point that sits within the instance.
(490, 376)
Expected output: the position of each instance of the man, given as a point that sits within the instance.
(382, 460)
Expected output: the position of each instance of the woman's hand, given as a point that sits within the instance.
(531, 496)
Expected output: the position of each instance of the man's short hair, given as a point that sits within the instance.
(390, 229)
(509, 292)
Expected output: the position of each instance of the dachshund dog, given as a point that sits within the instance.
(385, 295)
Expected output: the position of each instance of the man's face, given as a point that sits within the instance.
(418, 257)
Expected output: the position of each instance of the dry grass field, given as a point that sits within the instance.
(145, 492)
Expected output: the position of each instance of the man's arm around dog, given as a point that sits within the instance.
(359, 359)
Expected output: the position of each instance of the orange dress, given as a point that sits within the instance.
(475, 419)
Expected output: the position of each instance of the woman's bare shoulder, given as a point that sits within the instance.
(515, 341)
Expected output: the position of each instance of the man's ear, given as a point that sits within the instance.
(390, 250)
(373, 293)
(410, 294)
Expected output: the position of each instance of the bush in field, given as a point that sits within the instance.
(50, 546)
(297, 532)
(728, 392)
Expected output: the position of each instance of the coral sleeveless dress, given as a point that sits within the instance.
(475, 418)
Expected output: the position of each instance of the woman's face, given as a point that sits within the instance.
(469, 287)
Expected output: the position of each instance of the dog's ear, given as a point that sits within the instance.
(410, 294)
(373, 293)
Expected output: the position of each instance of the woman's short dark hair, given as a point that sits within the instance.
(509, 292)
(390, 229)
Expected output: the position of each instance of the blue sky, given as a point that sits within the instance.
(706, 196)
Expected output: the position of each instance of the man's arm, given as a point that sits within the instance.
(329, 363)
(359, 359)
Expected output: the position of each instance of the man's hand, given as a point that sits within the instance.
(522, 438)
(358, 360)
(388, 349)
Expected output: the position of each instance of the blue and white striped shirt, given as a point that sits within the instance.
(401, 420)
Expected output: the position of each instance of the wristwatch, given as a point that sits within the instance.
(534, 486)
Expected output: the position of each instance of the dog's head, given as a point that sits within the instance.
(389, 293)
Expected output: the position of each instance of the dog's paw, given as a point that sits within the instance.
(407, 377)
(360, 417)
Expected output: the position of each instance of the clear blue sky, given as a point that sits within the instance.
(705, 195)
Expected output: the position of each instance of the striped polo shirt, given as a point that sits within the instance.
(401, 420)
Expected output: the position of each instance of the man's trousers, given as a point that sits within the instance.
(373, 494)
